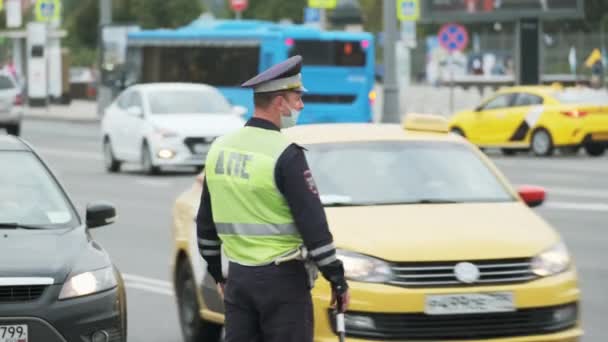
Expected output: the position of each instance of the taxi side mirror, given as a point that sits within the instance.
(100, 214)
(533, 196)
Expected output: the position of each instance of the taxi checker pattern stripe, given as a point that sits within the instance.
(256, 229)
(529, 121)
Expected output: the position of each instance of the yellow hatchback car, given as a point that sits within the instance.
(435, 242)
(539, 118)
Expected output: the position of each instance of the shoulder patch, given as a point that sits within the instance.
(310, 181)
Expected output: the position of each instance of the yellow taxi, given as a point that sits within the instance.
(436, 244)
(538, 118)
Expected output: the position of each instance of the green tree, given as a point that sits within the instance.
(275, 10)
(163, 13)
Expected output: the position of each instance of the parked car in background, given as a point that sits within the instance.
(166, 124)
(11, 104)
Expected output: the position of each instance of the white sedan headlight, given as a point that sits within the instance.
(87, 283)
(552, 261)
(359, 267)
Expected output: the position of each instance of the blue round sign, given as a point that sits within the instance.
(453, 37)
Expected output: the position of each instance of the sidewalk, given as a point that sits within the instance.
(76, 111)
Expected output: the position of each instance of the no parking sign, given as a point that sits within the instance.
(453, 37)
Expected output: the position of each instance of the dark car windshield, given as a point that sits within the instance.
(368, 173)
(29, 195)
(187, 102)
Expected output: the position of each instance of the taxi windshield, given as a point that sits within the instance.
(398, 172)
(187, 102)
(29, 195)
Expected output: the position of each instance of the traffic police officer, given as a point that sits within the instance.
(260, 204)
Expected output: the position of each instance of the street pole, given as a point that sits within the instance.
(104, 94)
(323, 18)
(451, 66)
(390, 111)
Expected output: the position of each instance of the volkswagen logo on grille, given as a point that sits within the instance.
(466, 272)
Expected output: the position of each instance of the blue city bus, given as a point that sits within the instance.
(338, 67)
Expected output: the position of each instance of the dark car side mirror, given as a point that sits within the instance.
(533, 196)
(100, 214)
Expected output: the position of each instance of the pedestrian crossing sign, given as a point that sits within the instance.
(408, 10)
(48, 10)
(327, 4)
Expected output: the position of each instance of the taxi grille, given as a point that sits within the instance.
(435, 274)
(21, 293)
(422, 327)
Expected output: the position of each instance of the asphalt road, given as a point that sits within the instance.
(140, 241)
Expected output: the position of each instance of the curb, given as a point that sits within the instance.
(35, 117)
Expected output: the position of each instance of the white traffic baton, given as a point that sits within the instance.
(340, 328)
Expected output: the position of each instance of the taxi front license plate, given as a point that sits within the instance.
(469, 303)
(200, 148)
(599, 136)
(13, 333)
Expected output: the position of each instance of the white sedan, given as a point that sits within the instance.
(166, 124)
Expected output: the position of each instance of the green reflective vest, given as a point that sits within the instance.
(251, 215)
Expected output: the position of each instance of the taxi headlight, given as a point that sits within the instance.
(552, 261)
(87, 283)
(359, 267)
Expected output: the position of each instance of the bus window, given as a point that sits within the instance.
(330, 53)
(213, 65)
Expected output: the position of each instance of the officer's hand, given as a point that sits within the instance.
(345, 298)
(220, 289)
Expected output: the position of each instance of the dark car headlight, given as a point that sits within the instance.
(88, 283)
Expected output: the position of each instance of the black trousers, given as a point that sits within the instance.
(268, 304)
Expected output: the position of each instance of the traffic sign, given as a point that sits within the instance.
(453, 37)
(408, 10)
(239, 5)
(326, 4)
(48, 10)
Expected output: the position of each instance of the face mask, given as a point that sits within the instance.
(290, 121)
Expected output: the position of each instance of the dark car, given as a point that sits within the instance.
(57, 284)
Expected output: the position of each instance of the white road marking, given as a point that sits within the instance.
(70, 154)
(151, 281)
(574, 192)
(596, 207)
(548, 166)
(148, 288)
(146, 284)
(152, 182)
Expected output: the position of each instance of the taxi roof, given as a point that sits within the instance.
(353, 132)
(11, 143)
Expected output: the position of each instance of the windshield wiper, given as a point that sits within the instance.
(344, 204)
(432, 201)
(15, 225)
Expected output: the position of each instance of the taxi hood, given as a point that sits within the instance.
(441, 232)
